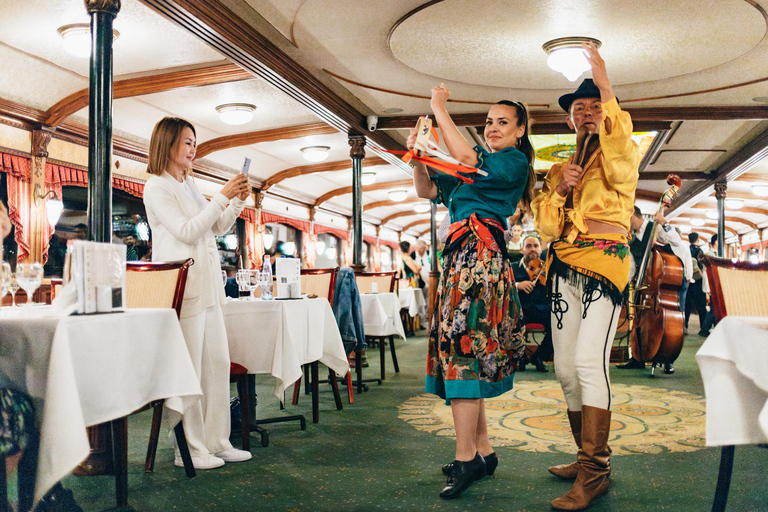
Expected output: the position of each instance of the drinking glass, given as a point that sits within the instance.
(254, 281)
(224, 277)
(6, 278)
(30, 277)
(14, 289)
(242, 280)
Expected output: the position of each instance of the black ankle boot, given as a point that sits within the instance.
(462, 475)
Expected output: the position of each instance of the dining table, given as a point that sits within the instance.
(733, 361)
(381, 314)
(83, 370)
(277, 337)
(412, 299)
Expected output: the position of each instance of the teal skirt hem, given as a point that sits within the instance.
(467, 388)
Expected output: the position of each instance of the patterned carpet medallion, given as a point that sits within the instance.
(531, 417)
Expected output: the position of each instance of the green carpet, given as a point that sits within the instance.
(367, 458)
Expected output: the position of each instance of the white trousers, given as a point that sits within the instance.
(207, 423)
(582, 345)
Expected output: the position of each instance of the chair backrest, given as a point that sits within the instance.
(319, 281)
(737, 288)
(156, 284)
(385, 281)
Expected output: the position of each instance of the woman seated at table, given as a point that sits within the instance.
(183, 225)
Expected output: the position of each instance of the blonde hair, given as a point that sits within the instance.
(165, 136)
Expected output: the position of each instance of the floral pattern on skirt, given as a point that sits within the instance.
(17, 419)
(477, 335)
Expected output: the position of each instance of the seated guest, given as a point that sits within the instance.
(533, 298)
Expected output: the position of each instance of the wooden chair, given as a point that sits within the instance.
(320, 282)
(157, 285)
(737, 288)
(385, 282)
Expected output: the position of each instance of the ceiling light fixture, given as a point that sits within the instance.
(398, 195)
(77, 39)
(685, 229)
(760, 190)
(368, 178)
(734, 204)
(421, 207)
(566, 55)
(315, 153)
(712, 214)
(236, 113)
(698, 222)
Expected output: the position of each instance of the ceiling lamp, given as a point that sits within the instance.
(760, 190)
(77, 39)
(236, 113)
(421, 207)
(398, 195)
(368, 177)
(315, 153)
(698, 222)
(566, 55)
(712, 214)
(685, 229)
(734, 204)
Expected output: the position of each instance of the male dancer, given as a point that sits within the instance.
(585, 213)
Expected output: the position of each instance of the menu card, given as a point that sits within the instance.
(288, 272)
(98, 270)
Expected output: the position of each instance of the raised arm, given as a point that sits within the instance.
(457, 145)
(425, 187)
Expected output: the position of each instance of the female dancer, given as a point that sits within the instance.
(476, 337)
(183, 224)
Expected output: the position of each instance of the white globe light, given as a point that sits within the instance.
(760, 190)
(398, 195)
(315, 153)
(734, 204)
(53, 209)
(566, 56)
(697, 222)
(236, 113)
(77, 39)
(685, 229)
(712, 214)
(421, 207)
(368, 178)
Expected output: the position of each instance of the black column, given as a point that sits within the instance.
(100, 120)
(357, 153)
(720, 195)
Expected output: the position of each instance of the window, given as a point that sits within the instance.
(386, 258)
(328, 251)
(283, 239)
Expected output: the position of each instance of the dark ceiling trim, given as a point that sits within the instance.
(224, 30)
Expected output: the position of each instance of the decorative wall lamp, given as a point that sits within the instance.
(77, 39)
(53, 205)
(566, 55)
(236, 113)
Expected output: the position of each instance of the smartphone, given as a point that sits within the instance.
(246, 165)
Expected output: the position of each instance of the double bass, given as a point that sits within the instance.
(656, 334)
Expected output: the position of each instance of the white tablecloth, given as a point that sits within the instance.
(413, 300)
(85, 370)
(734, 365)
(381, 314)
(278, 336)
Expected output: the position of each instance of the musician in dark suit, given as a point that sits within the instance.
(533, 299)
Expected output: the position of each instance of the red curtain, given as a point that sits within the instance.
(271, 218)
(342, 234)
(19, 170)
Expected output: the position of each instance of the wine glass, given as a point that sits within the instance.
(242, 280)
(254, 281)
(14, 289)
(30, 277)
(224, 277)
(6, 278)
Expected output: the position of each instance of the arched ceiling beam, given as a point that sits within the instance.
(366, 188)
(728, 218)
(745, 209)
(302, 170)
(414, 223)
(406, 214)
(148, 85)
(245, 139)
(708, 221)
(389, 202)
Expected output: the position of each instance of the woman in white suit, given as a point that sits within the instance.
(183, 225)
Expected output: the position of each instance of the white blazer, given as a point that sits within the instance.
(180, 230)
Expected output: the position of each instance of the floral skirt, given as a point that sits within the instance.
(477, 335)
(17, 419)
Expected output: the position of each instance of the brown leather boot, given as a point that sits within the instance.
(594, 461)
(569, 471)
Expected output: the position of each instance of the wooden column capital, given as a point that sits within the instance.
(109, 6)
(357, 146)
(41, 137)
(720, 189)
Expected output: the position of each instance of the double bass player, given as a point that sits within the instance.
(584, 212)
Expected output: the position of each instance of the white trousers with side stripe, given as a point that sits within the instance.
(582, 345)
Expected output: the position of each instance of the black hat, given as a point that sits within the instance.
(587, 89)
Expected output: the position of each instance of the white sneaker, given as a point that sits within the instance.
(234, 455)
(208, 461)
